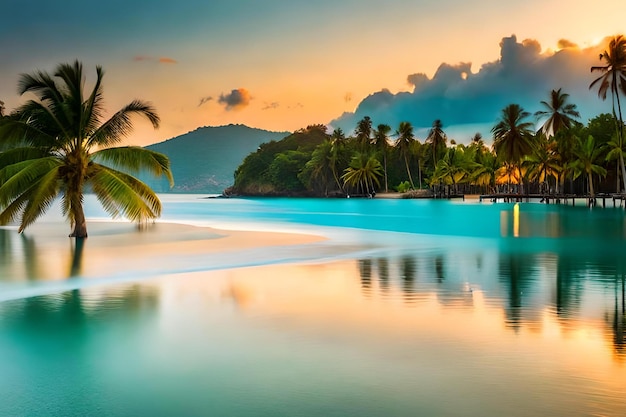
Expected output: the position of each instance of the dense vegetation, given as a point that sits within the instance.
(550, 151)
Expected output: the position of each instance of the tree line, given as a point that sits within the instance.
(550, 151)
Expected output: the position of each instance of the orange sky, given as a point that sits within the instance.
(299, 63)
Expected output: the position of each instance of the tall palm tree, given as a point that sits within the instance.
(559, 114)
(513, 137)
(437, 140)
(58, 145)
(588, 153)
(363, 133)
(364, 171)
(338, 140)
(381, 142)
(404, 142)
(614, 78)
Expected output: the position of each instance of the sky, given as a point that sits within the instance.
(281, 65)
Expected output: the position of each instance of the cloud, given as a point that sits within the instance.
(460, 97)
(167, 60)
(236, 99)
(564, 44)
(272, 105)
(161, 60)
(204, 100)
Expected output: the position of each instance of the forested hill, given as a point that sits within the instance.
(204, 160)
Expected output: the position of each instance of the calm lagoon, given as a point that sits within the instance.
(407, 308)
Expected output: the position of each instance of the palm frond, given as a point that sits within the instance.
(40, 198)
(120, 193)
(135, 159)
(120, 124)
(17, 178)
(16, 155)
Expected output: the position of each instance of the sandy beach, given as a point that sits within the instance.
(41, 259)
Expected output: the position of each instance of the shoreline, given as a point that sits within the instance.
(44, 260)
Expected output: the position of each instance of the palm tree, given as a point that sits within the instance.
(437, 139)
(1, 108)
(320, 166)
(405, 139)
(338, 141)
(364, 171)
(363, 133)
(543, 163)
(513, 137)
(58, 145)
(588, 154)
(381, 142)
(560, 114)
(484, 171)
(614, 78)
(452, 168)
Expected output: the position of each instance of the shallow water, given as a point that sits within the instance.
(430, 308)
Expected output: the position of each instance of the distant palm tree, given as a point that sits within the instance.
(513, 137)
(437, 140)
(558, 112)
(58, 145)
(363, 133)
(1, 108)
(614, 78)
(588, 153)
(484, 171)
(543, 163)
(404, 144)
(364, 171)
(381, 142)
(338, 140)
(453, 168)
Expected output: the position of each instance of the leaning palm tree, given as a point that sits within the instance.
(404, 142)
(437, 140)
(614, 78)
(381, 142)
(558, 113)
(513, 137)
(58, 145)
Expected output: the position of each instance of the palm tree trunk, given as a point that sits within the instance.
(621, 160)
(620, 128)
(408, 171)
(592, 193)
(419, 171)
(385, 162)
(80, 223)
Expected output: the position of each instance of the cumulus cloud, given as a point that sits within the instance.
(564, 44)
(460, 97)
(236, 99)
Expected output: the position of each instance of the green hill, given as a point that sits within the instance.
(204, 160)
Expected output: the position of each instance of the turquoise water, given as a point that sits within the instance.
(410, 308)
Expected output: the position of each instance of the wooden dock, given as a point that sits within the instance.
(618, 199)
